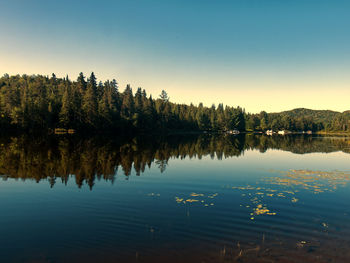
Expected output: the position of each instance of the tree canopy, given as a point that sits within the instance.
(40, 103)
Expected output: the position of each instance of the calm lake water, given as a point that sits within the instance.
(198, 198)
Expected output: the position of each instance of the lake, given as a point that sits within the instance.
(193, 198)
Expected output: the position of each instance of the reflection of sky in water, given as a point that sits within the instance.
(214, 203)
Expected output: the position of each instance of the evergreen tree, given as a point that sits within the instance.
(128, 105)
(66, 110)
(90, 101)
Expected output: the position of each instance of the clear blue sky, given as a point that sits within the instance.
(262, 55)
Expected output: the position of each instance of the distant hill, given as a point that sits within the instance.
(316, 115)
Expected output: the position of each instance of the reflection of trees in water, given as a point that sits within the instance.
(298, 143)
(89, 159)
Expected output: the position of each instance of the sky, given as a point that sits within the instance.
(267, 55)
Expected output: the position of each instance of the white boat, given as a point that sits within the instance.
(269, 132)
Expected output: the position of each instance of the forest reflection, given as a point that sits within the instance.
(90, 159)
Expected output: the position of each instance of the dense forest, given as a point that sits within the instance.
(300, 120)
(37, 103)
(58, 158)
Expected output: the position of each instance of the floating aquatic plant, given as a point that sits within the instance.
(315, 181)
(200, 198)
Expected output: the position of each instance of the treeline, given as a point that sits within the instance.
(86, 160)
(41, 103)
(300, 120)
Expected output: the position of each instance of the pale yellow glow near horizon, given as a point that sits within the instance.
(269, 100)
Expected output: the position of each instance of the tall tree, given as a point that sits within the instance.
(90, 101)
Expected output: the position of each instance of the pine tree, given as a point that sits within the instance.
(90, 101)
(164, 96)
(66, 109)
(128, 105)
(81, 83)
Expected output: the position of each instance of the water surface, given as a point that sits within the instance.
(198, 198)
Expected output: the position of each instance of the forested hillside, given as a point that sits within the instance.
(300, 120)
(41, 103)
